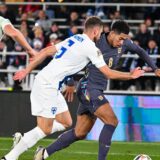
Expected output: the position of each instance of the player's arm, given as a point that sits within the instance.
(69, 90)
(132, 47)
(113, 74)
(15, 34)
(40, 57)
(97, 59)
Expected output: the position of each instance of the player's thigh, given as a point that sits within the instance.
(83, 125)
(106, 114)
(45, 124)
(64, 118)
(47, 101)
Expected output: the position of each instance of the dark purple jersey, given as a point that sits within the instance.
(96, 80)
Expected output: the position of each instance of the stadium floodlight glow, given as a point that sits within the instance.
(60, 1)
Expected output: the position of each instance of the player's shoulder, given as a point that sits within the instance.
(128, 42)
(4, 21)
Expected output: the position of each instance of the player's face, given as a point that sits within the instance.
(118, 39)
(97, 33)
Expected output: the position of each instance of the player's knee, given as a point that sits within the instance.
(47, 130)
(80, 135)
(113, 121)
(68, 123)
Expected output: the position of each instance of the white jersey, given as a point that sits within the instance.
(73, 55)
(3, 22)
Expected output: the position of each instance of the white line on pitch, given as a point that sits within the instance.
(91, 153)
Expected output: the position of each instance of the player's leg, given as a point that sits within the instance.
(64, 118)
(83, 126)
(45, 126)
(42, 100)
(106, 114)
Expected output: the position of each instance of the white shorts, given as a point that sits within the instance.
(46, 101)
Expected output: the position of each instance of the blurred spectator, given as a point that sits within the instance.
(53, 30)
(149, 83)
(43, 20)
(15, 62)
(37, 44)
(156, 35)
(143, 36)
(2, 63)
(24, 17)
(149, 22)
(74, 18)
(117, 15)
(106, 27)
(49, 12)
(99, 11)
(72, 30)
(4, 12)
(26, 30)
(38, 33)
(52, 39)
(30, 9)
(62, 12)
(152, 49)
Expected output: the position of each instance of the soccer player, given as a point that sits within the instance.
(93, 103)
(6, 28)
(48, 104)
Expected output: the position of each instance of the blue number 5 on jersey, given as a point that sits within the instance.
(60, 53)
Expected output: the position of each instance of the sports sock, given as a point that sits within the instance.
(63, 141)
(105, 141)
(57, 127)
(28, 140)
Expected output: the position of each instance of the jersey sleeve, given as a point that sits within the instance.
(96, 57)
(4, 22)
(132, 47)
(60, 44)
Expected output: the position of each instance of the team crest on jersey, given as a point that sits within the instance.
(99, 52)
(100, 97)
(119, 50)
(53, 110)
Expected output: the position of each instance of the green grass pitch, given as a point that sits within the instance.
(87, 150)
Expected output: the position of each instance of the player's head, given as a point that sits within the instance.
(119, 32)
(93, 27)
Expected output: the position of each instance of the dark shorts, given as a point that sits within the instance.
(90, 99)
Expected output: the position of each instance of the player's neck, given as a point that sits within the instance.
(90, 35)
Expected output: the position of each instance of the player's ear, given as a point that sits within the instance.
(112, 33)
(95, 31)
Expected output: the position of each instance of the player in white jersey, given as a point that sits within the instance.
(6, 28)
(48, 104)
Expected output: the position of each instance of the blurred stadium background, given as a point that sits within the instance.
(136, 103)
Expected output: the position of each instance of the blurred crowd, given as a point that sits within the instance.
(40, 29)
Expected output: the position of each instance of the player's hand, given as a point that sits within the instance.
(20, 75)
(32, 53)
(137, 72)
(69, 93)
(147, 69)
(157, 72)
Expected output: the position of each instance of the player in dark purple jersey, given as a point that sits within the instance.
(93, 103)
